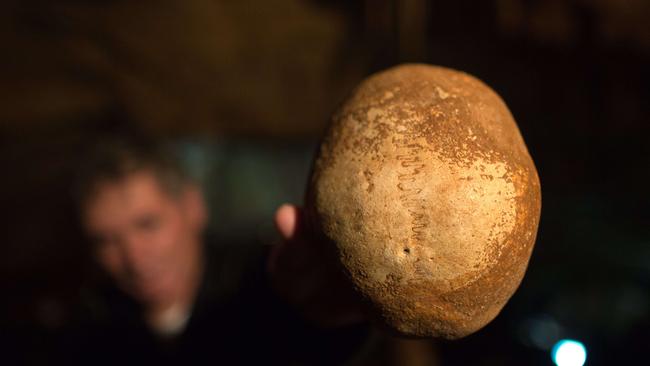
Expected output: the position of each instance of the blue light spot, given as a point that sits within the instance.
(568, 352)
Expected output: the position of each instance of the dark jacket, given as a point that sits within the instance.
(236, 320)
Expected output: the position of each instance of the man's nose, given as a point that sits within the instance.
(136, 252)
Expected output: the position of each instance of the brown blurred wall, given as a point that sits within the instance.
(270, 69)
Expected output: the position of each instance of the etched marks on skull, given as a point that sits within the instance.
(368, 184)
(409, 183)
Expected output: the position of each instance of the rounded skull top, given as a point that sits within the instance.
(426, 187)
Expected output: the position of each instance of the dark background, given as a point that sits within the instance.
(244, 89)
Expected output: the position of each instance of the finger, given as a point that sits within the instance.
(286, 221)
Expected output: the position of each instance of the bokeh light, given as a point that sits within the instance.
(569, 353)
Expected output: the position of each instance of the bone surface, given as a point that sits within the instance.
(425, 185)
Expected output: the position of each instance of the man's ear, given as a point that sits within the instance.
(195, 207)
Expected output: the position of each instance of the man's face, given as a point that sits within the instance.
(147, 239)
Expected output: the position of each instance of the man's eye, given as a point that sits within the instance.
(102, 241)
(97, 240)
(148, 223)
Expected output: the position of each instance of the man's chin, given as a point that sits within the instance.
(152, 295)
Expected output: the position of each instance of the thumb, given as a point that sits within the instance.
(287, 221)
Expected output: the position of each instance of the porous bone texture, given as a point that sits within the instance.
(426, 187)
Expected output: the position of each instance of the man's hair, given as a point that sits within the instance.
(114, 159)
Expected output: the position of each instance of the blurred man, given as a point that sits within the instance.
(170, 298)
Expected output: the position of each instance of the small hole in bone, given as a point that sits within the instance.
(407, 250)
